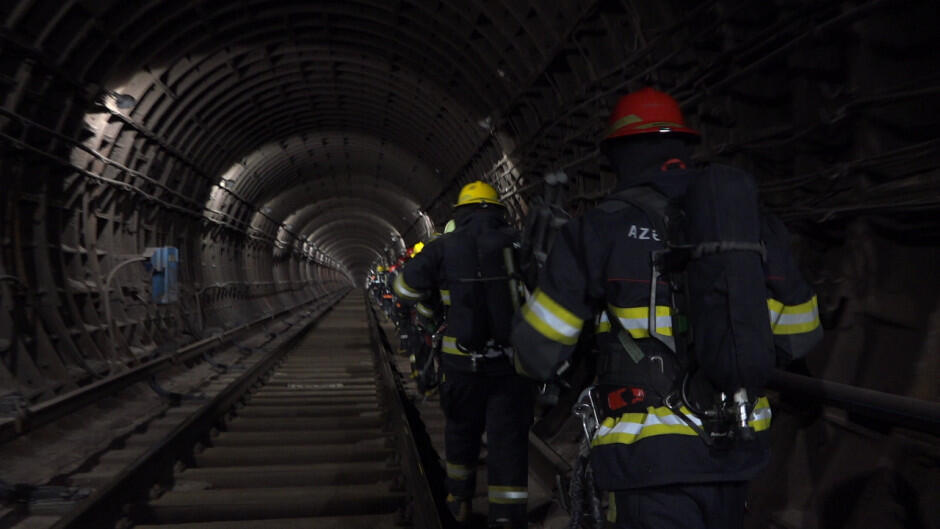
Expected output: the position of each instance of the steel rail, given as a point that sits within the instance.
(47, 411)
(418, 466)
(157, 463)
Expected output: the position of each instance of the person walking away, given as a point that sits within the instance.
(479, 390)
(683, 423)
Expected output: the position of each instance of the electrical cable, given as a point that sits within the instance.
(107, 296)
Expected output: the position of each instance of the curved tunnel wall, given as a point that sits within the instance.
(284, 146)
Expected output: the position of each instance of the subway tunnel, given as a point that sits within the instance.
(286, 148)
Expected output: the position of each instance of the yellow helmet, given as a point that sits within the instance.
(478, 192)
(380, 269)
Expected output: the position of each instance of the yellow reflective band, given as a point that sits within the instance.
(449, 345)
(793, 319)
(636, 320)
(503, 494)
(603, 323)
(458, 472)
(403, 290)
(425, 311)
(623, 122)
(551, 320)
(445, 297)
(630, 428)
(761, 416)
(557, 310)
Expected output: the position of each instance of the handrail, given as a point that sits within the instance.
(897, 410)
(47, 411)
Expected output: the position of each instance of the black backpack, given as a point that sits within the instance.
(714, 263)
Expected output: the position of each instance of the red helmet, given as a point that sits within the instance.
(646, 111)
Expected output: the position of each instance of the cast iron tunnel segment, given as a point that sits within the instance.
(310, 445)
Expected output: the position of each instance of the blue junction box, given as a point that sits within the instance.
(164, 267)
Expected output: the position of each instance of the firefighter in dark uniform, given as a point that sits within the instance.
(399, 309)
(427, 317)
(479, 390)
(654, 464)
(377, 286)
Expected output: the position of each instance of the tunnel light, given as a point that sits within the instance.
(122, 101)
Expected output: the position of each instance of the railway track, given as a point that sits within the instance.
(321, 432)
(312, 437)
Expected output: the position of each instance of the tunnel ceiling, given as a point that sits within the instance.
(286, 104)
(259, 116)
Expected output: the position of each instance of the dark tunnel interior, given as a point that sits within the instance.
(286, 148)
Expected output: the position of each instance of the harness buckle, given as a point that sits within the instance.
(491, 351)
(657, 359)
(586, 410)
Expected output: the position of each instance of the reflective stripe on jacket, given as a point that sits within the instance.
(631, 428)
(599, 268)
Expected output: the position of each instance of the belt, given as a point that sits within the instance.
(495, 352)
(655, 370)
(489, 351)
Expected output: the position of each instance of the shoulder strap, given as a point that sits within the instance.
(626, 340)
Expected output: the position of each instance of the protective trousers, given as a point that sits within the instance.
(502, 405)
(702, 506)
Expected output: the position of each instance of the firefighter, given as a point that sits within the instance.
(386, 299)
(479, 390)
(399, 309)
(426, 318)
(377, 284)
(652, 456)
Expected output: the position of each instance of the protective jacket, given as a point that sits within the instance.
(599, 268)
(467, 268)
(479, 388)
